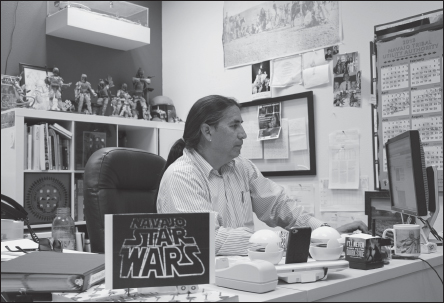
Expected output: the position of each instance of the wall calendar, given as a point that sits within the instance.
(409, 86)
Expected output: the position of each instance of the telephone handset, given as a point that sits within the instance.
(12, 210)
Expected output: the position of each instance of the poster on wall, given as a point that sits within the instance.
(262, 30)
(410, 94)
(347, 80)
(260, 77)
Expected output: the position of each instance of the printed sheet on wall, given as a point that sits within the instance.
(255, 31)
(410, 94)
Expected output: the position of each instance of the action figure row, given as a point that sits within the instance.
(123, 104)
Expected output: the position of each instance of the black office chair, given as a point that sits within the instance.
(119, 180)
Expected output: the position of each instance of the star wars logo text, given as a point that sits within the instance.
(160, 248)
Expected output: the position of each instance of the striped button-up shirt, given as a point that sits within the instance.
(191, 184)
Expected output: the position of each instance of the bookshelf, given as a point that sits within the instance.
(152, 136)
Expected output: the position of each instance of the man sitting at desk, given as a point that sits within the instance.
(205, 173)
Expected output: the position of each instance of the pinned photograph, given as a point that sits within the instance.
(330, 51)
(269, 117)
(260, 78)
(347, 80)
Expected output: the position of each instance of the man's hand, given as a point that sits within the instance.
(351, 227)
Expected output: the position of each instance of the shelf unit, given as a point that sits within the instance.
(152, 136)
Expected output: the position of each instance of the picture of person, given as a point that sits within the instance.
(410, 245)
(335, 50)
(329, 54)
(261, 79)
(336, 87)
(273, 127)
(341, 65)
(269, 119)
(346, 84)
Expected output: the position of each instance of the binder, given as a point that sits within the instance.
(47, 271)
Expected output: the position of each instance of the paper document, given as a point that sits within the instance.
(301, 194)
(287, 71)
(316, 76)
(344, 160)
(342, 199)
(251, 148)
(336, 219)
(278, 148)
(298, 134)
(312, 59)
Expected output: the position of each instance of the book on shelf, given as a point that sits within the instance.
(49, 150)
(99, 293)
(64, 152)
(47, 271)
(30, 155)
(79, 200)
(52, 134)
(60, 129)
(25, 147)
(36, 147)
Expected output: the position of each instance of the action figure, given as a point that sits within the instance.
(104, 94)
(82, 93)
(116, 105)
(141, 90)
(55, 83)
(124, 102)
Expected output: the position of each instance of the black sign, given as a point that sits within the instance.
(151, 250)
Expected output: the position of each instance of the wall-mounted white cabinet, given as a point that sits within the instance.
(114, 24)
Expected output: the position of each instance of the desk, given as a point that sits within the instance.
(401, 280)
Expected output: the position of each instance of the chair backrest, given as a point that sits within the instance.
(119, 180)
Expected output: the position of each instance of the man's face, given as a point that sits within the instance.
(346, 77)
(228, 136)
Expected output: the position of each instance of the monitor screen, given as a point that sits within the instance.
(406, 172)
(401, 170)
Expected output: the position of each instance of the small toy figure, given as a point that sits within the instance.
(104, 94)
(82, 93)
(122, 95)
(116, 105)
(126, 107)
(55, 83)
(67, 106)
(141, 91)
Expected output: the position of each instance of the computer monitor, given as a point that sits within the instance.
(407, 174)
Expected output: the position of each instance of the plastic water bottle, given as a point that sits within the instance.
(63, 228)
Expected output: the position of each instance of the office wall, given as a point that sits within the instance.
(31, 45)
(193, 68)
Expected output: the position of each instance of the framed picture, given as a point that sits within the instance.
(34, 79)
(378, 207)
(44, 193)
(89, 137)
(92, 142)
(288, 147)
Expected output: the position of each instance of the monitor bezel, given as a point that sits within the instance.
(418, 172)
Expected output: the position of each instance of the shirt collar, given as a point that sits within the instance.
(202, 163)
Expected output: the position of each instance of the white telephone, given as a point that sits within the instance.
(243, 274)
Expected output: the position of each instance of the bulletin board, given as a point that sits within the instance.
(296, 107)
(408, 83)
